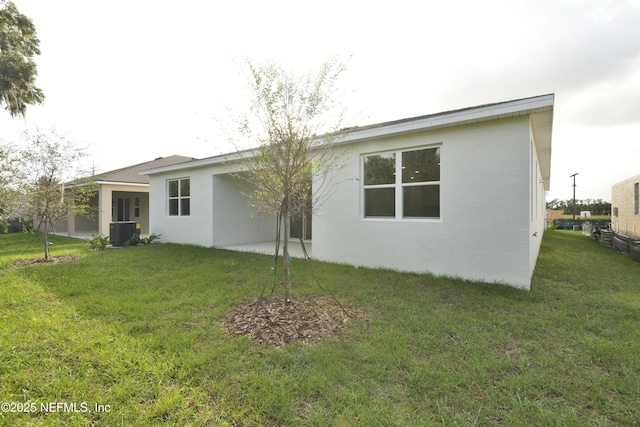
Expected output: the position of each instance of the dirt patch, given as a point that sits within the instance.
(306, 319)
(53, 259)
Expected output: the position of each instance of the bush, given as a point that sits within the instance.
(150, 239)
(133, 241)
(136, 239)
(98, 242)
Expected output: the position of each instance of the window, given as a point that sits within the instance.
(123, 205)
(179, 200)
(636, 198)
(403, 184)
(136, 207)
(379, 181)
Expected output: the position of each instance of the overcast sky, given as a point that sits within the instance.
(140, 79)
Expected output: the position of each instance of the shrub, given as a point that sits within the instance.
(133, 241)
(136, 239)
(98, 242)
(150, 239)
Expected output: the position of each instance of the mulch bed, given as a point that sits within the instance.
(53, 259)
(272, 321)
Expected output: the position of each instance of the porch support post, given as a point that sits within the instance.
(105, 200)
(71, 219)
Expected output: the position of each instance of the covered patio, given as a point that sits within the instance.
(268, 248)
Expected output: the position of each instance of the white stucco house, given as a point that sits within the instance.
(459, 193)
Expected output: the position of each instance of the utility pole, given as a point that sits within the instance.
(574, 200)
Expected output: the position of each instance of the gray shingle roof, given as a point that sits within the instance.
(131, 174)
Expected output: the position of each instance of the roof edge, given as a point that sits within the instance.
(485, 112)
(458, 117)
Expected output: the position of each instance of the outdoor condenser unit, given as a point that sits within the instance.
(120, 232)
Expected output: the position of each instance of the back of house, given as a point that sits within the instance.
(459, 193)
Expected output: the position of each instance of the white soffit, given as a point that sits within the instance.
(541, 127)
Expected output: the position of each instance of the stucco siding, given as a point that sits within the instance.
(236, 221)
(194, 229)
(220, 212)
(537, 205)
(483, 229)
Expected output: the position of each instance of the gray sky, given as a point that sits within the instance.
(140, 79)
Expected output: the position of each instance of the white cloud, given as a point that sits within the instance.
(150, 78)
(607, 103)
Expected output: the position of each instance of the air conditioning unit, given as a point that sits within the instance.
(120, 232)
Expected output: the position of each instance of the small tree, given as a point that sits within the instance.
(49, 172)
(8, 184)
(286, 117)
(18, 46)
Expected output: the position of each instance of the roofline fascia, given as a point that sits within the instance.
(228, 158)
(519, 107)
(500, 110)
(133, 184)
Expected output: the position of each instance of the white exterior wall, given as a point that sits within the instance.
(538, 206)
(235, 221)
(219, 214)
(194, 229)
(485, 229)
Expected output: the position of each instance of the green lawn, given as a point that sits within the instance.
(137, 332)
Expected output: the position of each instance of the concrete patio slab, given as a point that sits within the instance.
(268, 248)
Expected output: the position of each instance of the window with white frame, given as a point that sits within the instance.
(179, 197)
(402, 184)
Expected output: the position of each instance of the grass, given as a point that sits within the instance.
(136, 331)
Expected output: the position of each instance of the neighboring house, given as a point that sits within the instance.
(459, 193)
(625, 207)
(122, 195)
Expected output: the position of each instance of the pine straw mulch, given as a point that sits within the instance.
(53, 260)
(307, 319)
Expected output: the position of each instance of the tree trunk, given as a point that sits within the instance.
(46, 237)
(285, 257)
